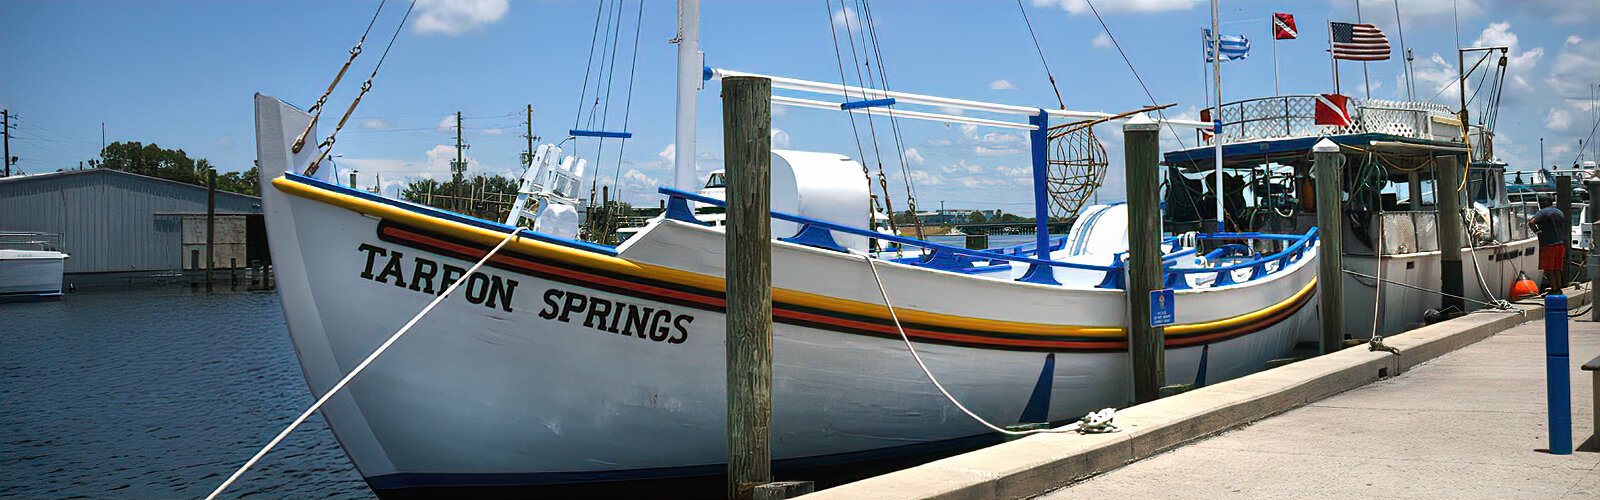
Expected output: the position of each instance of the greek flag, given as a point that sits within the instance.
(1233, 46)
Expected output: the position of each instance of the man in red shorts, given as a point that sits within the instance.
(1551, 225)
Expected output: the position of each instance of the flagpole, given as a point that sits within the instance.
(1216, 128)
(1333, 60)
(1364, 77)
(1273, 32)
(1205, 73)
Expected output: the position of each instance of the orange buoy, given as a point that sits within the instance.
(1523, 287)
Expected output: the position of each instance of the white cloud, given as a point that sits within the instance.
(914, 157)
(1101, 40)
(1076, 7)
(374, 124)
(847, 18)
(447, 123)
(1520, 62)
(780, 139)
(1002, 85)
(454, 17)
(669, 154)
(1574, 39)
(1574, 69)
(441, 156)
(492, 131)
(1558, 119)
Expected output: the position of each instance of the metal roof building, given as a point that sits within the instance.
(111, 221)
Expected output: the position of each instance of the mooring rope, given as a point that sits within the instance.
(1429, 290)
(1097, 422)
(362, 366)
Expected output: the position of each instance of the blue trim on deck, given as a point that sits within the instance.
(604, 134)
(451, 216)
(866, 103)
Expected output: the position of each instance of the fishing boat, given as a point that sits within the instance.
(1393, 151)
(566, 366)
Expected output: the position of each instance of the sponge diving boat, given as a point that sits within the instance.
(1430, 231)
(567, 366)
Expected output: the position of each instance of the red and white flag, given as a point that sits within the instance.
(1283, 27)
(1331, 110)
(1358, 42)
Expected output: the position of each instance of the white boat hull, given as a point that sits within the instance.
(31, 274)
(1403, 308)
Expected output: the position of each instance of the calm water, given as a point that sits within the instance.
(157, 393)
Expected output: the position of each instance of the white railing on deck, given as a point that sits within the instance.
(1284, 117)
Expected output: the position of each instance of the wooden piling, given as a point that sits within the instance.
(1594, 255)
(1141, 145)
(211, 222)
(1564, 203)
(1328, 163)
(1447, 181)
(747, 148)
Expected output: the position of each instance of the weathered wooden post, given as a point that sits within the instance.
(1328, 163)
(1446, 181)
(211, 221)
(1594, 258)
(1141, 143)
(747, 147)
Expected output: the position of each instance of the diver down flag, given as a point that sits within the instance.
(1283, 27)
(1332, 109)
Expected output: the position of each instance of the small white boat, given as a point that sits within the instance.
(31, 274)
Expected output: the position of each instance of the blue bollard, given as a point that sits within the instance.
(1558, 381)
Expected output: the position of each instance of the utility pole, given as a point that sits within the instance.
(5, 128)
(527, 156)
(458, 168)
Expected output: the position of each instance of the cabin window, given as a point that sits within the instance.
(717, 180)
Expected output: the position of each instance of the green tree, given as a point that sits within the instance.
(172, 164)
(976, 218)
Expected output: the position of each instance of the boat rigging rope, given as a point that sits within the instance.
(627, 106)
(1138, 78)
(515, 232)
(844, 85)
(894, 121)
(316, 109)
(1097, 422)
(327, 144)
(1040, 50)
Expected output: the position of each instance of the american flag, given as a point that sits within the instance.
(1359, 42)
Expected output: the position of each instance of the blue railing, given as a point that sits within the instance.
(1175, 277)
(815, 233)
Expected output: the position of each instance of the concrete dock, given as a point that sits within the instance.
(1429, 421)
(1470, 424)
